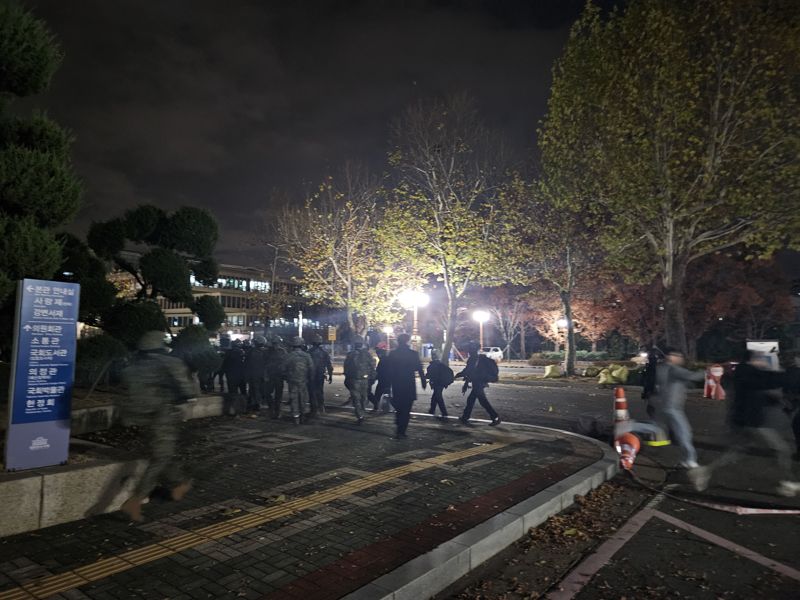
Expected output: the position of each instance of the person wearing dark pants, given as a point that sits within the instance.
(748, 417)
(383, 386)
(791, 392)
(403, 364)
(477, 373)
(439, 377)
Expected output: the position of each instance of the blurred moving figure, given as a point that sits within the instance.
(791, 391)
(157, 383)
(672, 380)
(752, 382)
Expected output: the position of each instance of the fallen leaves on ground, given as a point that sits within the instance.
(589, 518)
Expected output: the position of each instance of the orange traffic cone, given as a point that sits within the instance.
(621, 415)
(627, 446)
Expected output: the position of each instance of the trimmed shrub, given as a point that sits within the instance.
(95, 354)
(128, 321)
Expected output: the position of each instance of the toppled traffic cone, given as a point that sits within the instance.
(627, 446)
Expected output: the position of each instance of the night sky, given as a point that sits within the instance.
(218, 104)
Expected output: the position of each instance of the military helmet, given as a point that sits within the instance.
(152, 340)
(274, 338)
(297, 342)
(236, 343)
(260, 341)
(316, 339)
(357, 341)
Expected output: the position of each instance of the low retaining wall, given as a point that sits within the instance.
(99, 418)
(97, 481)
(53, 495)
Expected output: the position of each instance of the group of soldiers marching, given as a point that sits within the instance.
(259, 372)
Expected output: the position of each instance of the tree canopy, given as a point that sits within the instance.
(39, 190)
(442, 219)
(678, 127)
(331, 240)
(177, 245)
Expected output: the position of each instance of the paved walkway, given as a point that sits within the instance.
(279, 511)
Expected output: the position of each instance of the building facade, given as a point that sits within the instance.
(252, 300)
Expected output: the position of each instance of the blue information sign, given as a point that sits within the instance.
(42, 374)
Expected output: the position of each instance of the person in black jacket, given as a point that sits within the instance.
(382, 377)
(233, 367)
(403, 363)
(752, 383)
(791, 391)
(439, 377)
(476, 373)
(323, 369)
(255, 370)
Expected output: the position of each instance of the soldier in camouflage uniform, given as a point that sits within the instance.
(297, 372)
(157, 383)
(276, 359)
(322, 367)
(359, 373)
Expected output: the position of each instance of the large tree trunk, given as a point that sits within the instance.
(450, 328)
(594, 345)
(351, 326)
(691, 344)
(523, 354)
(674, 316)
(569, 343)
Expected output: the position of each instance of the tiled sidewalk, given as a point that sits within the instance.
(280, 511)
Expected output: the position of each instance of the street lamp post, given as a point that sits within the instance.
(481, 316)
(414, 300)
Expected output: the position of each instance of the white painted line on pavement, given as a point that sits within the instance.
(580, 575)
(577, 579)
(732, 546)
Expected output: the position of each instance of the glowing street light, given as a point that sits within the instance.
(413, 300)
(562, 323)
(481, 316)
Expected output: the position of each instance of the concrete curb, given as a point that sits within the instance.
(432, 572)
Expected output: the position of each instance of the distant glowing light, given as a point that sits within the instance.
(481, 316)
(413, 298)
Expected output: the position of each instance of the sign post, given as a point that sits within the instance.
(332, 339)
(42, 374)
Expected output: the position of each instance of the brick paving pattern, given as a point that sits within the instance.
(245, 465)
